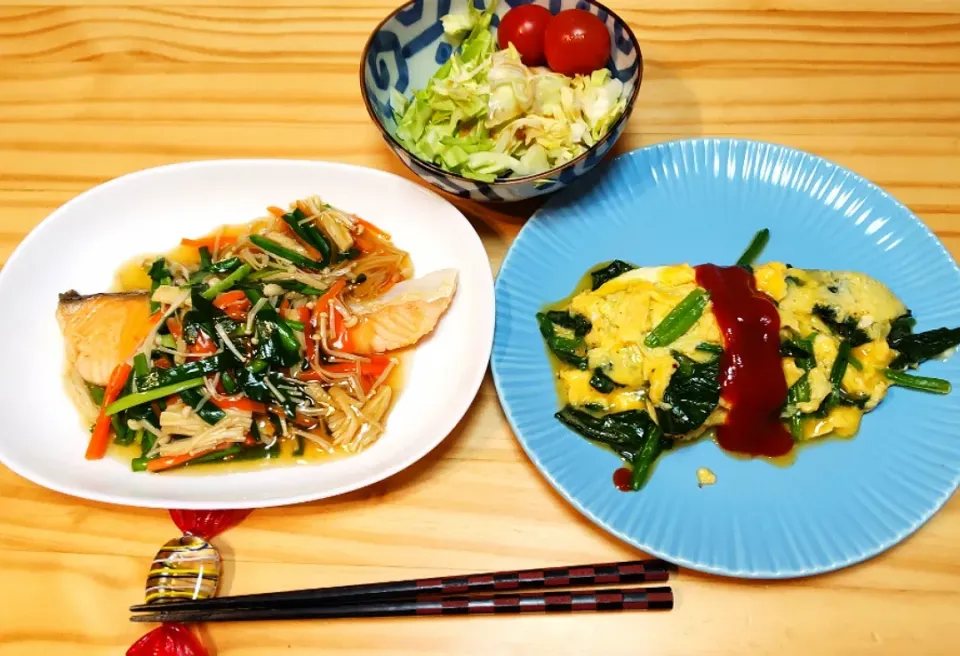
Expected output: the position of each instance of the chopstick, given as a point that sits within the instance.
(658, 598)
(634, 571)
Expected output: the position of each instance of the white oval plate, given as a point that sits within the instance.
(81, 245)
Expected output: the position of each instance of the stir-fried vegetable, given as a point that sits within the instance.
(922, 383)
(757, 244)
(632, 434)
(680, 319)
(607, 273)
(564, 335)
(100, 439)
(251, 348)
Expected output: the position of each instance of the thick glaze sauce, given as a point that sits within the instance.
(751, 374)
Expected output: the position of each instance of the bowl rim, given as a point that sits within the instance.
(433, 168)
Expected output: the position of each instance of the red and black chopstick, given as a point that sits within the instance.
(659, 598)
(432, 596)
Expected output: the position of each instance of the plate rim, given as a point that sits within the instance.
(485, 347)
(778, 574)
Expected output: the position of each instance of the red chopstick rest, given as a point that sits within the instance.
(207, 524)
(187, 567)
(168, 640)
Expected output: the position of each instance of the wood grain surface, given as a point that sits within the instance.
(91, 90)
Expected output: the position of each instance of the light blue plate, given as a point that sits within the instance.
(701, 201)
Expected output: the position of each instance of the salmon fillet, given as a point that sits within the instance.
(101, 331)
(402, 316)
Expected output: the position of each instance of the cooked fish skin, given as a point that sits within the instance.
(102, 330)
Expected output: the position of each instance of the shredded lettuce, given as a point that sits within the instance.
(486, 115)
(458, 25)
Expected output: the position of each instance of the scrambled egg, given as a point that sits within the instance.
(705, 477)
(823, 307)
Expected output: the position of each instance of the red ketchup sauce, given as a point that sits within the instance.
(751, 374)
(621, 479)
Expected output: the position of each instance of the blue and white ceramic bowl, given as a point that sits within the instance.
(408, 47)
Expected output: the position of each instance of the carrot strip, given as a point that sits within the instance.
(373, 368)
(330, 294)
(100, 438)
(338, 328)
(376, 366)
(324, 301)
(367, 381)
(365, 243)
(229, 298)
(234, 303)
(276, 211)
(309, 327)
(372, 228)
(345, 341)
(244, 404)
(174, 327)
(209, 242)
(161, 464)
(203, 346)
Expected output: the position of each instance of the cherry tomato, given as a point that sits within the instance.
(524, 27)
(576, 43)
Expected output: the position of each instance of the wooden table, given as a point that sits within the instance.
(89, 91)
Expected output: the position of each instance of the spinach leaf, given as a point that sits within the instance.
(225, 266)
(187, 371)
(195, 323)
(159, 275)
(693, 393)
(259, 452)
(799, 392)
(310, 234)
(208, 411)
(351, 253)
(846, 329)
(204, 315)
(624, 432)
(302, 288)
(609, 272)
(571, 350)
(602, 382)
(252, 380)
(631, 434)
(643, 462)
(272, 344)
(801, 350)
(679, 320)
(205, 258)
(922, 383)
(920, 347)
(301, 446)
(838, 395)
(756, 246)
(901, 327)
(710, 347)
(579, 324)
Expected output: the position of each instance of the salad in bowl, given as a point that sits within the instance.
(524, 101)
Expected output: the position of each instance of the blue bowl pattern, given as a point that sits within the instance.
(701, 200)
(408, 47)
